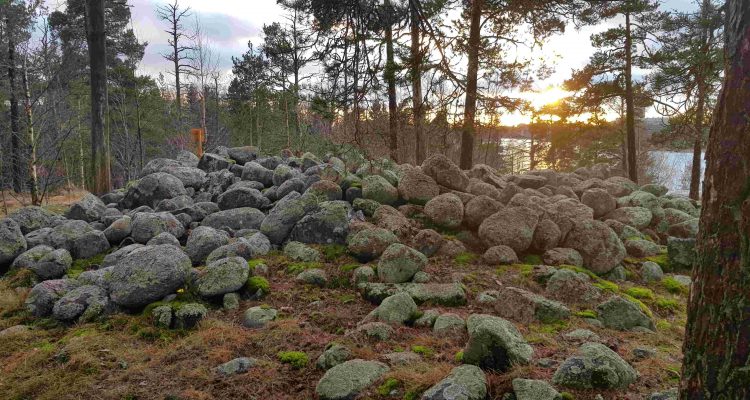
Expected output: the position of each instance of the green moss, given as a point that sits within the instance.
(256, 283)
(663, 325)
(296, 359)
(667, 304)
(459, 357)
(254, 263)
(412, 395)
(582, 270)
(388, 386)
(550, 328)
(640, 293)
(465, 258)
(674, 286)
(349, 267)
(662, 260)
(347, 298)
(296, 268)
(333, 252)
(83, 265)
(644, 308)
(567, 396)
(422, 350)
(532, 259)
(607, 286)
(586, 314)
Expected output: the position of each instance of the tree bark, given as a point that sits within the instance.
(470, 106)
(717, 336)
(15, 146)
(100, 164)
(630, 104)
(30, 139)
(416, 85)
(700, 109)
(390, 77)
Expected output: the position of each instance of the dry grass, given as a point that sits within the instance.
(57, 202)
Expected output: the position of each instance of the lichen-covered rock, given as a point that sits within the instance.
(313, 276)
(235, 219)
(43, 296)
(466, 382)
(163, 238)
(448, 324)
(500, 255)
(532, 389)
(641, 248)
(236, 366)
(428, 242)
(562, 256)
(333, 355)
(248, 248)
(687, 229)
(651, 272)
(622, 314)
(526, 307)
(31, 218)
(258, 317)
(511, 226)
(638, 217)
(12, 241)
(210, 162)
(297, 251)
(599, 246)
(326, 190)
(399, 263)
(148, 274)
(573, 287)
(346, 380)
(243, 155)
(223, 276)
(52, 265)
(242, 197)
(202, 241)
(89, 208)
(285, 214)
(79, 238)
(398, 309)
(118, 230)
(547, 235)
(599, 200)
(328, 225)
(478, 209)
(375, 187)
(596, 367)
(681, 252)
(188, 315)
(495, 344)
(416, 187)
(445, 172)
(445, 294)
(148, 225)
(83, 304)
(151, 189)
(369, 244)
(446, 210)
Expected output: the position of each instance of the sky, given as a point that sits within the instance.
(230, 24)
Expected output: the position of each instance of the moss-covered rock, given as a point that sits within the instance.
(495, 344)
(369, 244)
(346, 380)
(596, 367)
(466, 382)
(399, 263)
(223, 276)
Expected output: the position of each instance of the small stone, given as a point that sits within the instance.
(531, 389)
(398, 308)
(651, 272)
(449, 324)
(258, 317)
(333, 355)
(237, 366)
(495, 343)
(466, 382)
(596, 367)
(231, 301)
(313, 276)
(346, 380)
(376, 330)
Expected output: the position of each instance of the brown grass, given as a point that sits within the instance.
(57, 202)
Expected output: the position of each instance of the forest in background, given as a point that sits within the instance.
(395, 78)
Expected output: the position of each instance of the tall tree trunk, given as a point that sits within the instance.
(177, 88)
(100, 164)
(630, 103)
(30, 139)
(700, 113)
(416, 85)
(717, 335)
(390, 77)
(470, 106)
(15, 145)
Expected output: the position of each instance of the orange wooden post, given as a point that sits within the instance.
(198, 137)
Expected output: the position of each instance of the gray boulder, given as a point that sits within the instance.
(243, 155)
(242, 197)
(445, 172)
(370, 243)
(12, 241)
(333, 355)
(638, 217)
(118, 230)
(235, 219)
(252, 171)
(148, 225)
(511, 226)
(466, 382)
(90, 208)
(532, 389)
(236, 366)
(148, 274)
(328, 225)
(114, 257)
(346, 380)
(500, 255)
(297, 251)
(562, 256)
(248, 248)
(163, 238)
(202, 241)
(681, 252)
(83, 304)
(151, 189)
(43, 296)
(375, 187)
(285, 214)
(52, 265)
(223, 276)
(210, 162)
(31, 218)
(258, 317)
(495, 344)
(416, 187)
(651, 272)
(30, 257)
(79, 238)
(313, 276)
(480, 208)
(526, 307)
(622, 314)
(596, 367)
(599, 200)
(445, 210)
(399, 263)
(398, 309)
(599, 246)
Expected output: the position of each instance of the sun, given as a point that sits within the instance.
(549, 95)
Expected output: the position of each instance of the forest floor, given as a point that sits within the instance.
(127, 357)
(58, 201)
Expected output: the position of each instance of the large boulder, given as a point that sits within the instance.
(223, 276)
(638, 217)
(252, 171)
(681, 252)
(151, 189)
(328, 225)
(346, 380)
(90, 208)
(526, 307)
(596, 367)
(446, 210)
(375, 187)
(31, 218)
(43, 296)
(567, 212)
(599, 246)
(147, 275)
(621, 314)
(495, 344)
(370, 243)
(562, 256)
(572, 287)
(416, 187)
(148, 225)
(243, 155)
(547, 236)
(599, 200)
(83, 303)
(12, 242)
(79, 238)
(235, 219)
(500, 255)
(511, 226)
(248, 248)
(52, 265)
(466, 382)
(242, 197)
(445, 172)
(480, 208)
(285, 214)
(398, 309)
(118, 230)
(210, 162)
(399, 263)
(202, 241)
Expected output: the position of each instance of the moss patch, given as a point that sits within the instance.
(256, 283)
(640, 293)
(673, 286)
(465, 258)
(86, 264)
(296, 359)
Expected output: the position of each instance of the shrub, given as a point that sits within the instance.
(459, 357)
(296, 359)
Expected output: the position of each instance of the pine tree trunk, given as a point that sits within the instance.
(717, 336)
(100, 166)
(416, 86)
(700, 109)
(470, 106)
(630, 104)
(15, 146)
(390, 77)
